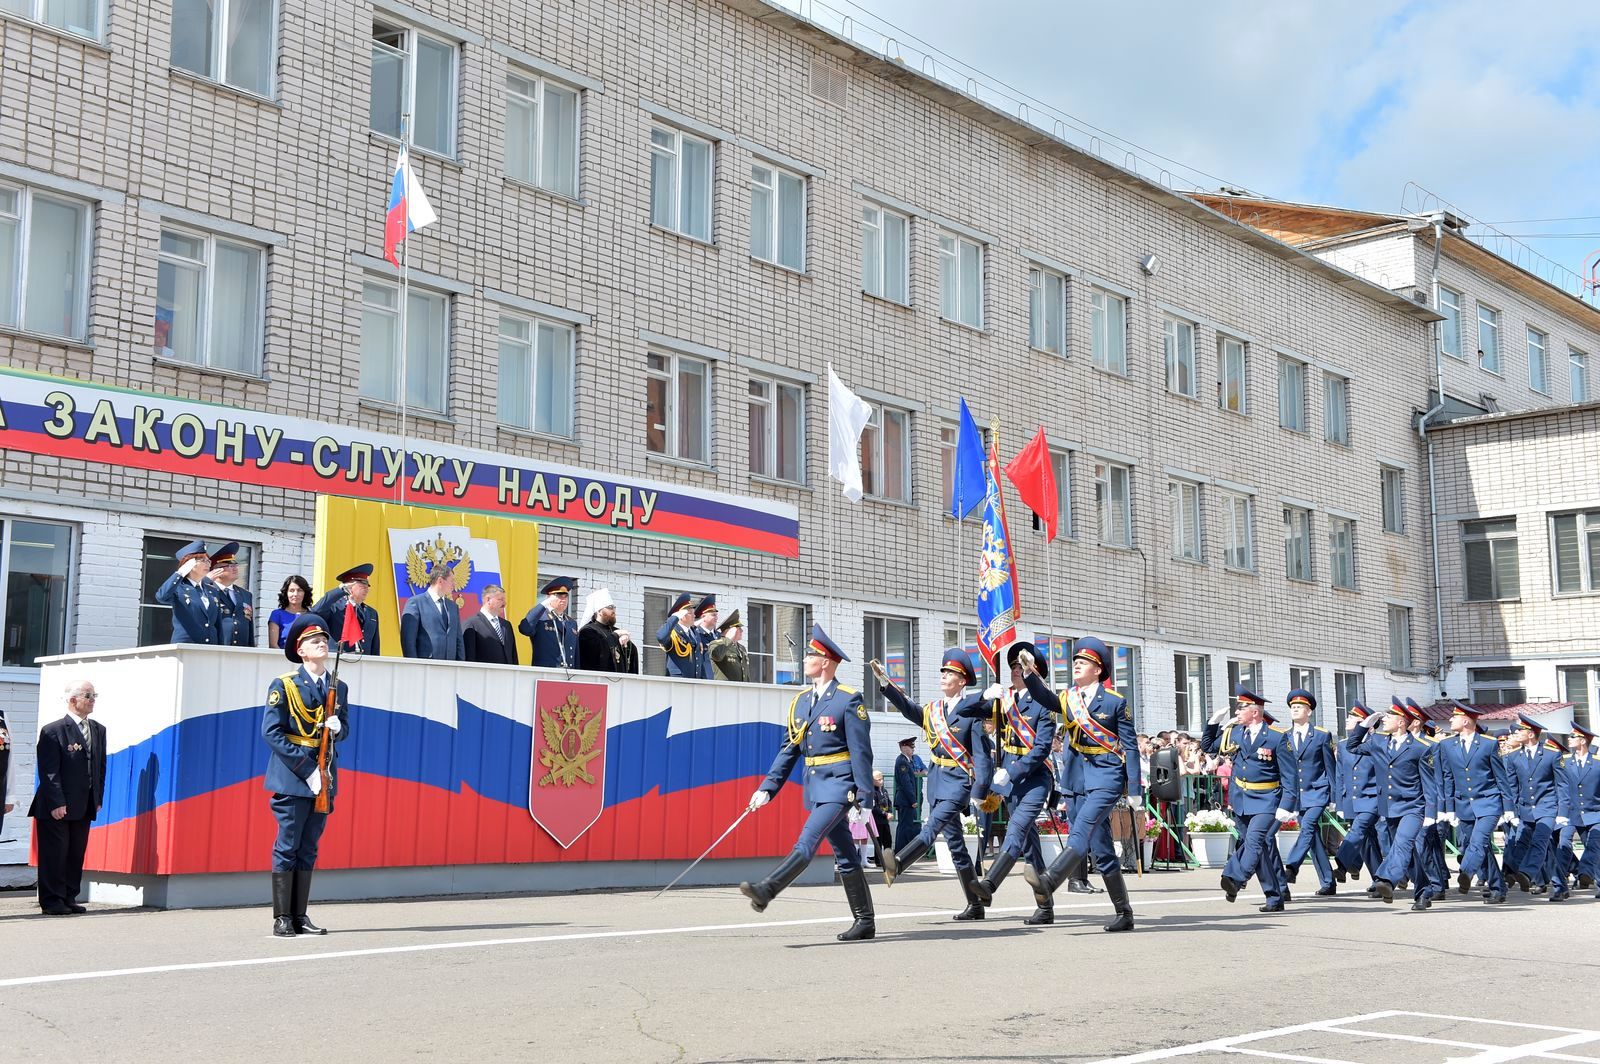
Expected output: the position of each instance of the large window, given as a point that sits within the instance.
(778, 216)
(1292, 394)
(536, 359)
(1400, 638)
(1491, 559)
(415, 74)
(1577, 551)
(542, 133)
(1489, 338)
(1580, 685)
(1497, 687)
(36, 560)
(427, 359)
(1232, 389)
(884, 258)
(678, 407)
(82, 17)
(209, 294)
(1306, 678)
(775, 636)
(1342, 552)
(44, 262)
(680, 182)
(1178, 343)
(1336, 409)
(1297, 543)
(1108, 330)
(225, 40)
(1113, 500)
(1187, 530)
(1538, 361)
(886, 454)
(1125, 675)
(1191, 686)
(777, 412)
(1347, 691)
(155, 620)
(889, 640)
(965, 636)
(1578, 375)
(1061, 467)
(1242, 673)
(1047, 311)
(1450, 328)
(1238, 532)
(1392, 482)
(961, 280)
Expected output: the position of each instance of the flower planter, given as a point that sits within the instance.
(1287, 841)
(941, 850)
(1125, 857)
(1210, 847)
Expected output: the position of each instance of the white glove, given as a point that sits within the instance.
(759, 799)
(1427, 821)
(855, 815)
(1283, 816)
(1562, 821)
(187, 567)
(1026, 657)
(1221, 714)
(993, 692)
(334, 725)
(1001, 778)
(1516, 821)
(314, 781)
(1450, 818)
(1505, 818)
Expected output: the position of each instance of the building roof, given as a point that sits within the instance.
(1499, 711)
(1548, 413)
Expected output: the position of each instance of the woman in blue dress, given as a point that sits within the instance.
(294, 598)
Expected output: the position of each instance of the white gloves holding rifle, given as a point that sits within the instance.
(314, 781)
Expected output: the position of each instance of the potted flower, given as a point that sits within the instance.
(1210, 836)
(1288, 837)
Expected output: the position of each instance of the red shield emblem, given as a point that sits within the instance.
(566, 790)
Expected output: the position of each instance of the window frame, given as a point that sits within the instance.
(542, 85)
(408, 101)
(84, 281)
(1393, 504)
(1586, 523)
(1224, 341)
(676, 154)
(1475, 532)
(1577, 375)
(1306, 572)
(1040, 279)
(671, 429)
(1585, 701)
(401, 390)
(1184, 547)
(1343, 698)
(951, 248)
(36, 16)
(1450, 306)
(218, 54)
(775, 217)
(1104, 475)
(870, 696)
(882, 230)
(1230, 502)
(877, 466)
(761, 631)
(1494, 690)
(1342, 559)
(1301, 425)
(1493, 323)
(207, 301)
(535, 323)
(1061, 467)
(1402, 653)
(772, 402)
(1191, 689)
(65, 626)
(1336, 384)
(1541, 360)
(163, 544)
(1173, 347)
(1237, 669)
(1101, 349)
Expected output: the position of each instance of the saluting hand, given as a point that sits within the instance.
(1221, 714)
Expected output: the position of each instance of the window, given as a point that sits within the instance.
(155, 620)
(536, 367)
(1577, 551)
(1124, 675)
(1047, 311)
(680, 183)
(75, 16)
(1336, 409)
(777, 430)
(948, 435)
(1400, 638)
(1342, 552)
(886, 454)
(1245, 673)
(542, 133)
(678, 407)
(1297, 543)
(1305, 678)
(1113, 500)
(35, 558)
(1580, 685)
(427, 354)
(1178, 341)
(961, 280)
(1578, 375)
(1489, 338)
(1190, 687)
(1238, 536)
(1538, 369)
(1061, 468)
(44, 262)
(1232, 390)
(1292, 394)
(1496, 687)
(654, 659)
(1450, 328)
(1393, 483)
(884, 261)
(1491, 559)
(229, 41)
(965, 636)
(778, 216)
(209, 294)
(1186, 524)
(776, 634)
(415, 74)
(1347, 691)
(887, 639)
(1108, 331)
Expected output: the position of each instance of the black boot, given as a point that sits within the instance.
(908, 855)
(999, 868)
(302, 895)
(860, 898)
(1117, 890)
(282, 904)
(763, 891)
(1046, 911)
(969, 887)
(1067, 865)
(1081, 885)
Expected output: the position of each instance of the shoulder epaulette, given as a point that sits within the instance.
(289, 677)
(1111, 691)
(848, 690)
(1323, 730)
(1280, 731)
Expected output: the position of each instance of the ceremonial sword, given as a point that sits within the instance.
(703, 856)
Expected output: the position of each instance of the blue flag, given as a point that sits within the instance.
(970, 483)
(999, 604)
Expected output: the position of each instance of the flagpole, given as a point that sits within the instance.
(405, 291)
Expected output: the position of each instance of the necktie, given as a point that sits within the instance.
(83, 726)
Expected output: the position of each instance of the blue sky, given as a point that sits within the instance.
(1493, 106)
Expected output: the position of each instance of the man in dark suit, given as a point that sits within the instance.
(353, 585)
(430, 627)
(488, 636)
(72, 781)
(237, 627)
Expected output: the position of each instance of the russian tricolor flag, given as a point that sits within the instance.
(408, 208)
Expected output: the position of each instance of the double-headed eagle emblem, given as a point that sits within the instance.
(422, 558)
(570, 733)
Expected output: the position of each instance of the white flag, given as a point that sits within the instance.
(847, 416)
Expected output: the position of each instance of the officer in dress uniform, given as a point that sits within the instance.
(962, 764)
(551, 627)
(237, 627)
(685, 652)
(1024, 732)
(1312, 748)
(1407, 799)
(196, 614)
(296, 718)
(1473, 799)
(1579, 803)
(1261, 792)
(1101, 736)
(1357, 805)
(727, 652)
(1558, 858)
(1533, 781)
(354, 584)
(1431, 841)
(705, 630)
(828, 727)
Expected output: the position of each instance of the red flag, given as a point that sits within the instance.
(1035, 480)
(351, 632)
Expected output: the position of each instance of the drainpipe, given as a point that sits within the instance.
(1437, 221)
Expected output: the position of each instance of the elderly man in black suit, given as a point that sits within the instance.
(488, 637)
(72, 782)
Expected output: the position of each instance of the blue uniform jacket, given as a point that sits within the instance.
(1408, 783)
(289, 764)
(1315, 771)
(426, 633)
(836, 725)
(1579, 796)
(947, 780)
(1358, 782)
(196, 615)
(1098, 768)
(1265, 772)
(330, 608)
(1021, 761)
(235, 627)
(1533, 783)
(554, 639)
(687, 656)
(1475, 778)
(905, 784)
